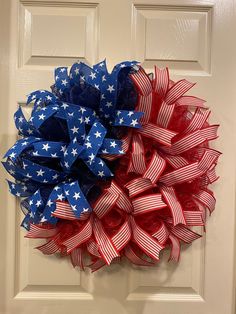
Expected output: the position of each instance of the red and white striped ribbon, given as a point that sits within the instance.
(184, 234)
(148, 203)
(165, 114)
(155, 168)
(191, 171)
(206, 198)
(176, 161)
(175, 248)
(147, 243)
(93, 248)
(190, 101)
(121, 238)
(80, 237)
(174, 205)
(137, 156)
(192, 140)
(158, 134)
(76, 257)
(41, 232)
(161, 81)
(139, 185)
(97, 265)
(105, 203)
(145, 106)
(132, 255)
(64, 211)
(177, 90)
(123, 201)
(198, 120)
(142, 82)
(194, 218)
(49, 247)
(106, 247)
(162, 234)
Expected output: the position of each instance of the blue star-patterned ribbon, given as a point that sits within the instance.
(71, 130)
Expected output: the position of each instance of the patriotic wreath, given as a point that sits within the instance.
(113, 165)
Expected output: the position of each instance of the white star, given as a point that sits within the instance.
(76, 195)
(13, 186)
(73, 207)
(42, 117)
(101, 174)
(40, 173)
(104, 151)
(24, 165)
(113, 144)
(122, 65)
(109, 104)
(88, 145)
(74, 152)
(85, 210)
(82, 110)
(101, 64)
(18, 194)
(12, 155)
(60, 197)
(56, 188)
(28, 175)
(121, 121)
(67, 193)
(66, 164)
(103, 96)
(92, 156)
(62, 70)
(46, 147)
(118, 113)
(64, 82)
(110, 88)
(97, 134)
(56, 77)
(92, 75)
(49, 203)
(87, 120)
(35, 153)
(64, 105)
(63, 148)
(76, 71)
(134, 122)
(31, 215)
(43, 219)
(21, 119)
(54, 155)
(31, 202)
(55, 177)
(24, 143)
(38, 203)
(103, 78)
(130, 113)
(49, 97)
(29, 131)
(24, 188)
(74, 130)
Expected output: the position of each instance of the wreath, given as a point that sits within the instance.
(113, 165)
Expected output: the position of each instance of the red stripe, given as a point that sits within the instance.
(174, 205)
(139, 185)
(82, 236)
(158, 134)
(142, 82)
(155, 168)
(177, 90)
(40, 232)
(105, 203)
(148, 203)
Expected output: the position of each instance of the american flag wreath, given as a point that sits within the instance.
(113, 166)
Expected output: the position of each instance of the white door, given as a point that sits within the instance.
(195, 38)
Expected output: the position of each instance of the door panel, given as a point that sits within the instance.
(192, 39)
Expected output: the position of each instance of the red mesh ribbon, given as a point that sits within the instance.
(160, 189)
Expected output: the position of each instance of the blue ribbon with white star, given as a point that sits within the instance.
(63, 144)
